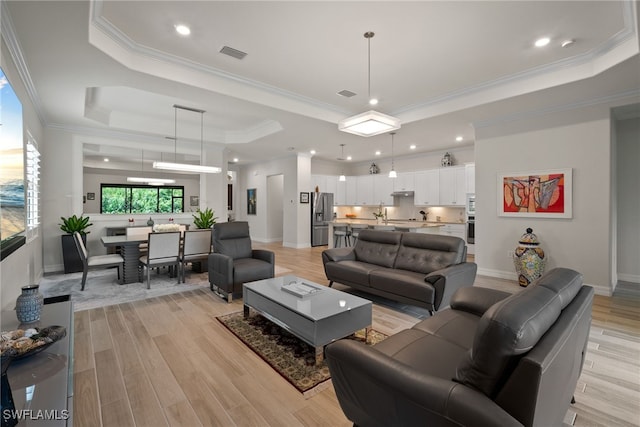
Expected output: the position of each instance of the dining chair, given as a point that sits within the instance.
(196, 246)
(96, 261)
(164, 250)
(140, 232)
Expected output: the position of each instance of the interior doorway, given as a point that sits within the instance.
(275, 209)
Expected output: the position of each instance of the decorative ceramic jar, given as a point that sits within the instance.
(29, 304)
(528, 258)
(373, 169)
(447, 160)
(150, 222)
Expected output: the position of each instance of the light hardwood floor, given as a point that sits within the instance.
(168, 361)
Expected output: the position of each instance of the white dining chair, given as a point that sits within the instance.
(164, 250)
(96, 261)
(196, 247)
(141, 232)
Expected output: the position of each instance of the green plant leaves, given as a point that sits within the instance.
(74, 223)
(204, 219)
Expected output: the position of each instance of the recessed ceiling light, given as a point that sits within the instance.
(183, 30)
(567, 43)
(541, 42)
(106, 159)
(313, 151)
(412, 147)
(235, 160)
(348, 157)
(458, 138)
(373, 101)
(378, 153)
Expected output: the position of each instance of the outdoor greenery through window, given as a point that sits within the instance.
(140, 199)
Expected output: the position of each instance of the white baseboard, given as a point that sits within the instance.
(633, 278)
(500, 274)
(509, 275)
(55, 268)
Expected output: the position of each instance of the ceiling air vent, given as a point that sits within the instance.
(346, 93)
(238, 54)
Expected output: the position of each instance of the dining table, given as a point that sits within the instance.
(130, 251)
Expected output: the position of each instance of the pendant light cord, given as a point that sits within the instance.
(368, 35)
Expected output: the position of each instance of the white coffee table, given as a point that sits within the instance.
(318, 318)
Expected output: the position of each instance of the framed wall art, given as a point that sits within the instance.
(304, 197)
(540, 194)
(252, 201)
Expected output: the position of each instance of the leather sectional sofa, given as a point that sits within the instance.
(491, 359)
(414, 268)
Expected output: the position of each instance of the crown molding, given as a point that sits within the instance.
(10, 39)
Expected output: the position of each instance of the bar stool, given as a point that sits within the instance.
(341, 232)
(355, 231)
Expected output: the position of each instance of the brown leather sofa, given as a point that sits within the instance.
(491, 359)
(413, 268)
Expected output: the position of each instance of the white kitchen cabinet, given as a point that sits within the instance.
(351, 191)
(404, 182)
(453, 186)
(340, 196)
(456, 230)
(319, 181)
(331, 186)
(427, 188)
(470, 176)
(382, 189)
(364, 190)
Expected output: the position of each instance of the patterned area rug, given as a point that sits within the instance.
(289, 356)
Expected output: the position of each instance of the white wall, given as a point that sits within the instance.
(296, 172)
(627, 133)
(24, 266)
(583, 242)
(94, 178)
(275, 213)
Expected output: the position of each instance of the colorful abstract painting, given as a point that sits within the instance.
(545, 194)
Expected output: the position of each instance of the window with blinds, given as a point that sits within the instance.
(33, 187)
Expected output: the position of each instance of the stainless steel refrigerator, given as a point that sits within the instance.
(321, 214)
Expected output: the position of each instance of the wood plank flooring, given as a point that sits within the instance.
(167, 361)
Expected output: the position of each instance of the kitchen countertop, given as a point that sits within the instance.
(403, 223)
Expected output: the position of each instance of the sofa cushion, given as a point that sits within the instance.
(457, 327)
(424, 255)
(251, 269)
(512, 327)
(408, 284)
(350, 271)
(375, 247)
(414, 348)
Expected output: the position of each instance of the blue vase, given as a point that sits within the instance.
(29, 304)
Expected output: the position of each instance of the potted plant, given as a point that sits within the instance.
(202, 220)
(70, 255)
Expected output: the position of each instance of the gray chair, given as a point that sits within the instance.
(96, 261)
(196, 247)
(233, 261)
(164, 250)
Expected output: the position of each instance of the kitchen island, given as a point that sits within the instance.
(399, 225)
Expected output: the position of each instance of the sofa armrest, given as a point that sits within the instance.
(220, 268)
(476, 300)
(376, 390)
(264, 255)
(448, 280)
(338, 254)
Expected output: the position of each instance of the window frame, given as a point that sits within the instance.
(131, 187)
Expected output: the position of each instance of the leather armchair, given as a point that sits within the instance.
(233, 261)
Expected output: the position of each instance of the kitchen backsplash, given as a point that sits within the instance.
(405, 209)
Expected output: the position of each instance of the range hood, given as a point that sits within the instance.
(402, 194)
